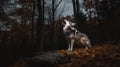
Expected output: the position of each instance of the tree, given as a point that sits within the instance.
(40, 6)
(51, 14)
(76, 8)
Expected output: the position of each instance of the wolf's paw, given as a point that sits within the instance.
(86, 48)
(68, 50)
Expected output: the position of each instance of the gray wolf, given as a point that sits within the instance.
(74, 36)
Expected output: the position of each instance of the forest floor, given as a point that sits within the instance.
(101, 55)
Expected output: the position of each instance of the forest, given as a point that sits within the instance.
(31, 29)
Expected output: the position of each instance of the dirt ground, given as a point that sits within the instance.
(100, 55)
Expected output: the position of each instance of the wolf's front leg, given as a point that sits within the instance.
(69, 43)
(68, 47)
(72, 43)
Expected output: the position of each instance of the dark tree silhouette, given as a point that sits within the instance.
(40, 6)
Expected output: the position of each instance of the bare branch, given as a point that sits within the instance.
(57, 5)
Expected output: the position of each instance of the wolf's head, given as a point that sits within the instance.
(67, 25)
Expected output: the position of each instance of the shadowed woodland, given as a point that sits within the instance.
(29, 27)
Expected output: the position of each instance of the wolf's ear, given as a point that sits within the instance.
(73, 24)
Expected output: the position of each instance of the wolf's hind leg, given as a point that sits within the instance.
(88, 43)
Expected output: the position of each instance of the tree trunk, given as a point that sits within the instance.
(74, 8)
(75, 11)
(32, 24)
(52, 25)
(53, 11)
(39, 26)
(42, 34)
(77, 7)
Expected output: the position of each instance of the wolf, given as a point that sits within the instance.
(74, 36)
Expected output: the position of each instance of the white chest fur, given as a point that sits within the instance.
(66, 25)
